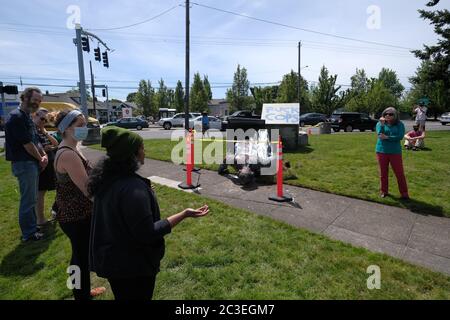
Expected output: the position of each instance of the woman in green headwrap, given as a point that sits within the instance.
(127, 233)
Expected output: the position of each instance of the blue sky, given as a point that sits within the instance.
(36, 44)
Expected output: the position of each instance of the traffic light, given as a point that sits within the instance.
(105, 59)
(85, 44)
(9, 89)
(97, 54)
(104, 92)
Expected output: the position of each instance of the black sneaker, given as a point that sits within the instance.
(35, 237)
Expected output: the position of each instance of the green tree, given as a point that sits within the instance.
(131, 96)
(325, 98)
(161, 99)
(237, 96)
(263, 95)
(179, 97)
(379, 97)
(391, 82)
(423, 86)
(207, 87)
(198, 98)
(288, 91)
(432, 79)
(437, 55)
(359, 81)
(144, 98)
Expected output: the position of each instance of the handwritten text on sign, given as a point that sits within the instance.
(281, 113)
(127, 112)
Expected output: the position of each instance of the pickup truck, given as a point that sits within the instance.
(243, 119)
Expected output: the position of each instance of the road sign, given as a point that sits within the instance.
(127, 112)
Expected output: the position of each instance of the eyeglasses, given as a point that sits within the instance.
(389, 114)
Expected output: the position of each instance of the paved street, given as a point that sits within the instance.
(155, 132)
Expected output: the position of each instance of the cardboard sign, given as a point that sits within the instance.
(127, 112)
(281, 113)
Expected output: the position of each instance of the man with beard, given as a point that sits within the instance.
(27, 159)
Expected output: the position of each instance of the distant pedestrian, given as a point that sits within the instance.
(421, 115)
(415, 139)
(205, 122)
(47, 178)
(74, 206)
(27, 159)
(390, 132)
(127, 236)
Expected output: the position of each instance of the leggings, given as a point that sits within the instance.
(78, 233)
(397, 166)
(140, 288)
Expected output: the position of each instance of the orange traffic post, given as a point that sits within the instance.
(192, 152)
(189, 163)
(280, 197)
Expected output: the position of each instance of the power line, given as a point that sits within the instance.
(298, 28)
(138, 23)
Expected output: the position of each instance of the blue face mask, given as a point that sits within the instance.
(81, 133)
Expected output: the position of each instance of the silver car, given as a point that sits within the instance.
(445, 118)
(176, 121)
(196, 123)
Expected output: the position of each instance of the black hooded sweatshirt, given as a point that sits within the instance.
(127, 233)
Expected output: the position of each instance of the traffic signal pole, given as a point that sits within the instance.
(92, 87)
(79, 32)
(82, 82)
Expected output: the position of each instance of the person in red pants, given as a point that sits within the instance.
(390, 132)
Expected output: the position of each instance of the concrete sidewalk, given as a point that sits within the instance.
(416, 238)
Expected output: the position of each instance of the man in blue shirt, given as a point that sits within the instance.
(27, 159)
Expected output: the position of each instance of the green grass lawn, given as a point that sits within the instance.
(231, 254)
(346, 164)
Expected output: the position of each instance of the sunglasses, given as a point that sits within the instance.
(389, 114)
(44, 119)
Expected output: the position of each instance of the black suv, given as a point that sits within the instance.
(243, 119)
(349, 121)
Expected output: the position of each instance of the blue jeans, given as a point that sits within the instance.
(27, 172)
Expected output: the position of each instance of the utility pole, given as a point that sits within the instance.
(82, 83)
(92, 88)
(3, 98)
(186, 97)
(299, 77)
(107, 103)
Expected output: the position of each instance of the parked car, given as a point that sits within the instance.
(349, 121)
(312, 119)
(245, 117)
(445, 118)
(214, 123)
(177, 120)
(129, 123)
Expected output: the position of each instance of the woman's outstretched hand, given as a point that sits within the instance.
(196, 213)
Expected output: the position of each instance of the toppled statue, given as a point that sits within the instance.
(250, 156)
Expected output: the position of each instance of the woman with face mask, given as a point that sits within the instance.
(127, 234)
(74, 206)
